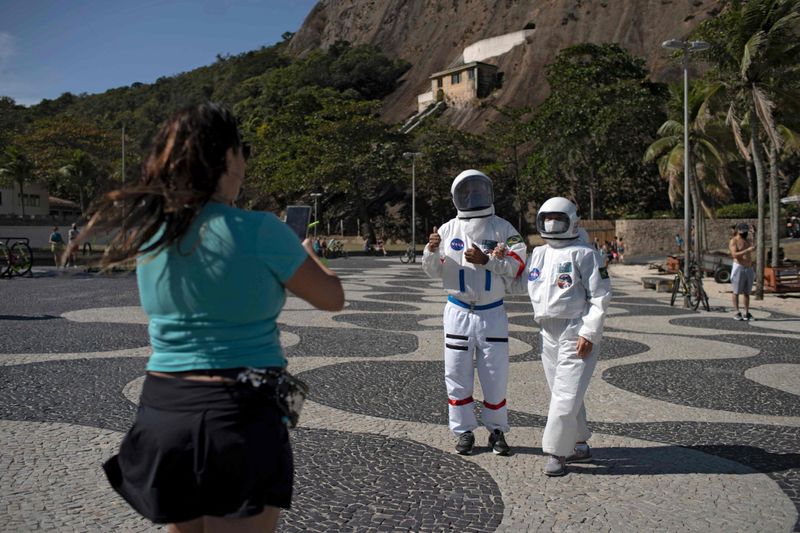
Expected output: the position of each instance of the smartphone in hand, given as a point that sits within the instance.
(297, 217)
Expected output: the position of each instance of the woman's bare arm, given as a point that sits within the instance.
(316, 283)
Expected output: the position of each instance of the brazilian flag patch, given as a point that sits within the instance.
(603, 272)
(514, 239)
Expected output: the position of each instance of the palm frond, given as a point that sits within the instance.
(752, 49)
(670, 127)
(764, 107)
(732, 121)
(659, 147)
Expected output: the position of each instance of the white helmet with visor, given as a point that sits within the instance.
(472, 194)
(557, 219)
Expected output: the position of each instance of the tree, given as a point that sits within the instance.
(708, 173)
(755, 45)
(508, 137)
(16, 168)
(81, 174)
(591, 130)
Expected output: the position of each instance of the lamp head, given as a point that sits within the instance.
(674, 44)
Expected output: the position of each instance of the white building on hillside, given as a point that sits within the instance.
(35, 196)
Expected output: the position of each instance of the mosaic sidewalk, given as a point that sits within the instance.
(696, 417)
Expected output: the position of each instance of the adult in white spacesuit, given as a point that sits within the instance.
(475, 321)
(569, 288)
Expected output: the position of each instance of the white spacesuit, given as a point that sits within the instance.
(570, 290)
(460, 253)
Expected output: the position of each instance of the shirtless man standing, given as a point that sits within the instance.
(742, 274)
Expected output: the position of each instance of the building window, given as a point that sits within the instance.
(455, 78)
(471, 74)
(1, 197)
(31, 200)
(439, 83)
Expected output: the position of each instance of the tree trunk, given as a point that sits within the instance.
(774, 205)
(21, 184)
(699, 219)
(83, 202)
(758, 164)
(364, 214)
(749, 171)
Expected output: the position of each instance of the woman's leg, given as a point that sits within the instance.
(266, 522)
(191, 526)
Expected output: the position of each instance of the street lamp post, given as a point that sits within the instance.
(413, 156)
(686, 46)
(315, 195)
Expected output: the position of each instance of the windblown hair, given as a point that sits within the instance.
(179, 177)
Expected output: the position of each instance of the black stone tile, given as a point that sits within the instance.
(348, 342)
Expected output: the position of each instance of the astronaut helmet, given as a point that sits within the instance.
(473, 195)
(558, 219)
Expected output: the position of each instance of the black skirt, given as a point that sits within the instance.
(203, 448)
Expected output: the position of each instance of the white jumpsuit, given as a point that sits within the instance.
(570, 290)
(474, 319)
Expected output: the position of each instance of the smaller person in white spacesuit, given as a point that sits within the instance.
(570, 289)
(460, 253)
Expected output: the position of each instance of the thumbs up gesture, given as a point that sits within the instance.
(434, 240)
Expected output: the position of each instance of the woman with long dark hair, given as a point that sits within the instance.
(209, 450)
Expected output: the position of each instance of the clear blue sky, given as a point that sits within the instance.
(49, 47)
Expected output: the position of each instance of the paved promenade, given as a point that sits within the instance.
(696, 416)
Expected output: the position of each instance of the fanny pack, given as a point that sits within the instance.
(288, 392)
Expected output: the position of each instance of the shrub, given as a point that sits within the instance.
(738, 211)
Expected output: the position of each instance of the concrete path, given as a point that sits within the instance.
(696, 416)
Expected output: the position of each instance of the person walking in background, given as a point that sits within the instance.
(460, 253)
(72, 235)
(56, 242)
(620, 250)
(742, 273)
(209, 449)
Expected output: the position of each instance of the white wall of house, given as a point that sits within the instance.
(495, 46)
(36, 200)
(424, 100)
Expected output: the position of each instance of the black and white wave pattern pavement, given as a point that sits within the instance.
(696, 417)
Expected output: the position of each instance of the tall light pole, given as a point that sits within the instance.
(413, 156)
(686, 46)
(315, 195)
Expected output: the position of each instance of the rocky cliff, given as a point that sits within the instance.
(431, 34)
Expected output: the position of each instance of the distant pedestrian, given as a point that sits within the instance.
(620, 250)
(72, 235)
(742, 274)
(56, 242)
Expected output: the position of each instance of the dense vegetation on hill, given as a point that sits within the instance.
(606, 135)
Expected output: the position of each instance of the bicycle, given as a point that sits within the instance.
(17, 259)
(692, 289)
(336, 249)
(409, 256)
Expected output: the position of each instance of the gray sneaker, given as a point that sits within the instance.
(581, 454)
(738, 316)
(556, 466)
(466, 441)
(748, 317)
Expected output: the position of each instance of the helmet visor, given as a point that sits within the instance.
(552, 223)
(473, 193)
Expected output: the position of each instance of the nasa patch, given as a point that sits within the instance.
(457, 245)
(564, 281)
(534, 274)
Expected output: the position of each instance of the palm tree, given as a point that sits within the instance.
(16, 168)
(708, 178)
(755, 46)
(80, 172)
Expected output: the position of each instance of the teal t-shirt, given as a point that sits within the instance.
(214, 298)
